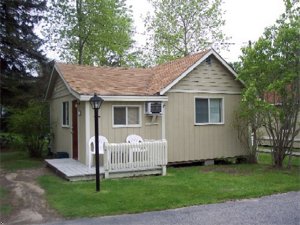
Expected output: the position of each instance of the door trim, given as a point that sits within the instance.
(74, 130)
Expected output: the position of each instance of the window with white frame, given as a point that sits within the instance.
(126, 116)
(65, 114)
(209, 110)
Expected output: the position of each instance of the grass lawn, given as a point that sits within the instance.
(14, 160)
(181, 187)
(5, 208)
(269, 148)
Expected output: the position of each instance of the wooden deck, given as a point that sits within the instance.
(73, 170)
(120, 160)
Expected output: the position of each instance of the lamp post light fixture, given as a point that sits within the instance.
(96, 102)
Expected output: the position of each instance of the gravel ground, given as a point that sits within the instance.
(26, 198)
(281, 209)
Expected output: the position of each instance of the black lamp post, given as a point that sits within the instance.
(96, 102)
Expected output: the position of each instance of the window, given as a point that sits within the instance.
(126, 116)
(209, 110)
(65, 114)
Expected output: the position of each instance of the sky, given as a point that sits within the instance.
(245, 20)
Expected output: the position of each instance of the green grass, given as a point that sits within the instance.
(181, 187)
(5, 208)
(264, 158)
(14, 160)
(269, 148)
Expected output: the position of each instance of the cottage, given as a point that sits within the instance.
(189, 102)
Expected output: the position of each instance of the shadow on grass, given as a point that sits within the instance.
(15, 160)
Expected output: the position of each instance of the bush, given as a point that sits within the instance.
(9, 140)
(32, 124)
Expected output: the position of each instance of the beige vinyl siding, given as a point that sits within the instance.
(187, 141)
(60, 89)
(148, 129)
(62, 141)
(209, 77)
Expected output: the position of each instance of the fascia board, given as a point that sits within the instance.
(127, 98)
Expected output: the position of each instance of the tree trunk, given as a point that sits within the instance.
(279, 157)
(79, 18)
(253, 157)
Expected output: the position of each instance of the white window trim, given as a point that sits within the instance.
(62, 115)
(222, 116)
(126, 108)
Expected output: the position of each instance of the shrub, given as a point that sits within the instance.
(9, 140)
(32, 124)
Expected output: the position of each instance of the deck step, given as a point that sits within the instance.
(72, 170)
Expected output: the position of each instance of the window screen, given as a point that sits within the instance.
(201, 110)
(133, 115)
(126, 115)
(215, 110)
(65, 114)
(120, 115)
(208, 110)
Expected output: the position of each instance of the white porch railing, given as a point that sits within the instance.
(126, 157)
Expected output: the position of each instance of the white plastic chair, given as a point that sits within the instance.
(92, 147)
(136, 153)
(134, 139)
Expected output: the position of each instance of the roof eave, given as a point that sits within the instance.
(126, 98)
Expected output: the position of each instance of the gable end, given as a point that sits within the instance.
(210, 76)
(212, 54)
(58, 87)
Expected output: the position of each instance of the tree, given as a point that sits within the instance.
(20, 55)
(248, 121)
(33, 125)
(93, 32)
(181, 27)
(271, 72)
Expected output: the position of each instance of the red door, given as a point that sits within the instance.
(74, 129)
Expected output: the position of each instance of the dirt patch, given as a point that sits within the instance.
(26, 198)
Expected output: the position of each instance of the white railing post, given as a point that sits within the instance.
(106, 161)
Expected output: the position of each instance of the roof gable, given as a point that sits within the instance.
(205, 55)
(166, 74)
(209, 76)
(54, 78)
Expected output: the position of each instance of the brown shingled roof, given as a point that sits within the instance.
(87, 80)
(165, 74)
(119, 81)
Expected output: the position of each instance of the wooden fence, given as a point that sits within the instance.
(126, 157)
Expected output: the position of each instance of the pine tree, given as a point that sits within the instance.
(20, 55)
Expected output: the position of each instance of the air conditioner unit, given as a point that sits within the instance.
(153, 108)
